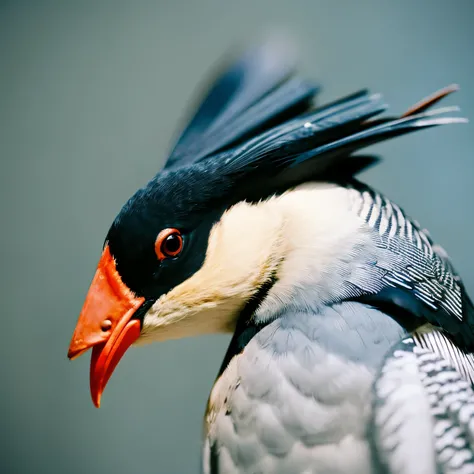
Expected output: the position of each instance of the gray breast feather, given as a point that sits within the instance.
(297, 399)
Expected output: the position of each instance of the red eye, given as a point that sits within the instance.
(168, 244)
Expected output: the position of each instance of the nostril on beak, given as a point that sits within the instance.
(106, 324)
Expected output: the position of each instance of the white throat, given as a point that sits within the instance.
(323, 236)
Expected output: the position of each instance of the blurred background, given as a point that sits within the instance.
(91, 95)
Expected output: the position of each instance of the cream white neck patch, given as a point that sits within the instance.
(321, 235)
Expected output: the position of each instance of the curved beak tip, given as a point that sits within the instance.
(96, 401)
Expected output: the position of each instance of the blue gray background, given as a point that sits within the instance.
(91, 95)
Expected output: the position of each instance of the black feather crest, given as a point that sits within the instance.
(253, 94)
(257, 128)
(321, 144)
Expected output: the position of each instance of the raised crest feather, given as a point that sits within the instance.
(253, 93)
(258, 127)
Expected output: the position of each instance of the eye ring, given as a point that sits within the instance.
(168, 244)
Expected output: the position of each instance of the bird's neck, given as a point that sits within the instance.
(319, 237)
(323, 240)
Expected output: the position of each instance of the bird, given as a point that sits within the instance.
(352, 335)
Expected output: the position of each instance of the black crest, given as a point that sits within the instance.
(258, 129)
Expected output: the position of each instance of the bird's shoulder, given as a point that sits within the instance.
(411, 270)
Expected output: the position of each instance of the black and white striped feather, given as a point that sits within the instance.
(410, 272)
(438, 341)
(423, 414)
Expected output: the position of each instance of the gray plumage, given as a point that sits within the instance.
(299, 400)
(310, 394)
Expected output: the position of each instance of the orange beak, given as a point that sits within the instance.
(105, 324)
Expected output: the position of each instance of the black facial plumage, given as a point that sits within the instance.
(186, 200)
(254, 135)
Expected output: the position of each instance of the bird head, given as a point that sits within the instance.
(203, 239)
(177, 261)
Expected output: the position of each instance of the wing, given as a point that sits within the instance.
(409, 271)
(254, 93)
(423, 414)
(441, 343)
